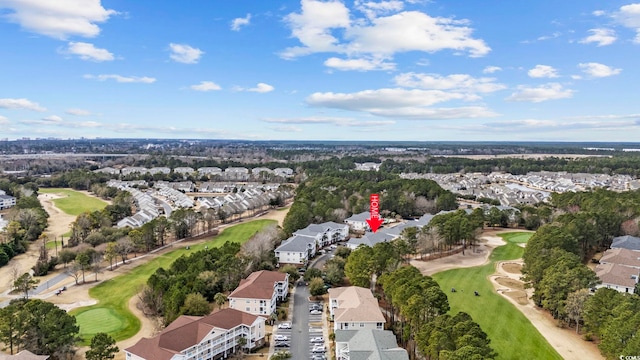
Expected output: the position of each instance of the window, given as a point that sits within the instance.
(248, 309)
(379, 325)
(361, 324)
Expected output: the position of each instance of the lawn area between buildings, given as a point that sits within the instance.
(512, 334)
(74, 202)
(112, 315)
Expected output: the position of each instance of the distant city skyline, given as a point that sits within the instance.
(394, 70)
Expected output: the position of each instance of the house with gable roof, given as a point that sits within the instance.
(358, 222)
(355, 308)
(214, 336)
(260, 292)
(368, 344)
(626, 242)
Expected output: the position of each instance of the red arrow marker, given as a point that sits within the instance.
(374, 220)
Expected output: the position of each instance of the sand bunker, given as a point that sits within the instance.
(510, 283)
(512, 268)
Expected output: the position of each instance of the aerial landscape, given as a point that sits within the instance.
(319, 179)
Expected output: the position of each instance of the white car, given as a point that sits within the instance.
(315, 312)
(281, 338)
(284, 325)
(317, 340)
(318, 349)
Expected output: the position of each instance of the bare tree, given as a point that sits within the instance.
(14, 270)
(124, 248)
(74, 271)
(259, 247)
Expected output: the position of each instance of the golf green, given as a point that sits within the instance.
(512, 334)
(98, 320)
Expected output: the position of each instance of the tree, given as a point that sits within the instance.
(103, 347)
(292, 271)
(25, 283)
(125, 246)
(66, 256)
(196, 305)
(219, 299)
(316, 287)
(359, 266)
(49, 329)
(110, 253)
(575, 305)
(83, 261)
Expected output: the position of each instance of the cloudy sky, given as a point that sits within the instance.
(321, 69)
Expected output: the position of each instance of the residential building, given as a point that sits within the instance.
(618, 277)
(355, 308)
(214, 336)
(368, 344)
(185, 170)
(620, 256)
(626, 242)
(296, 250)
(7, 202)
(370, 239)
(283, 172)
(260, 292)
(358, 222)
(159, 170)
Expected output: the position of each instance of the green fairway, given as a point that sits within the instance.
(74, 202)
(512, 334)
(98, 320)
(113, 295)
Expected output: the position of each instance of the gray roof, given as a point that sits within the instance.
(371, 239)
(363, 216)
(296, 244)
(370, 344)
(626, 242)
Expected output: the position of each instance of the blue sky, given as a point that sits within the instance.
(321, 70)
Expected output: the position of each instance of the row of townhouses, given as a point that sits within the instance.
(619, 267)
(230, 173)
(304, 243)
(218, 335)
(358, 323)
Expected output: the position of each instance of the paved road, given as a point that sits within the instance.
(300, 334)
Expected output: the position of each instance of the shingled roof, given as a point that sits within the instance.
(258, 285)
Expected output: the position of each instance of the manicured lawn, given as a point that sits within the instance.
(512, 334)
(98, 320)
(74, 202)
(113, 295)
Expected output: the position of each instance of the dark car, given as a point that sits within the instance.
(283, 344)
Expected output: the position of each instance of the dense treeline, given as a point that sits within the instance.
(580, 225)
(620, 164)
(336, 197)
(27, 220)
(206, 274)
(40, 327)
(614, 318)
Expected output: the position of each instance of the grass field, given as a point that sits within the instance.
(512, 334)
(74, 202)
(113, 295)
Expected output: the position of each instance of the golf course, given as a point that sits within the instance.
(74, 202)
(112, 315)
(512, 334)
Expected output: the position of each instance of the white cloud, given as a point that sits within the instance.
(206, 86)
(185, 54)
(551, 91)
(122, 79)
(52, 118)
(285, 128)
(262, 88)
(58, 18)
(598, 13)
(601, 36)
(21, 104)
(543, 71)
(78, 112)
(373, 9)
(359, 64)
(237, 23)
(87, 51)
(380, 37)
(401, 103)
(491, 69)
(535, 125)
(598, 70)
(339, 121)
(629, 16)
(454, 82)
(4, 120)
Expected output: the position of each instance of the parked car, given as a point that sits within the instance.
(318, 357)
(318, 349)
(284, 325)
(315, 312)
(283, 344)
(333, 247)
(318, 339)
(281, 338)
